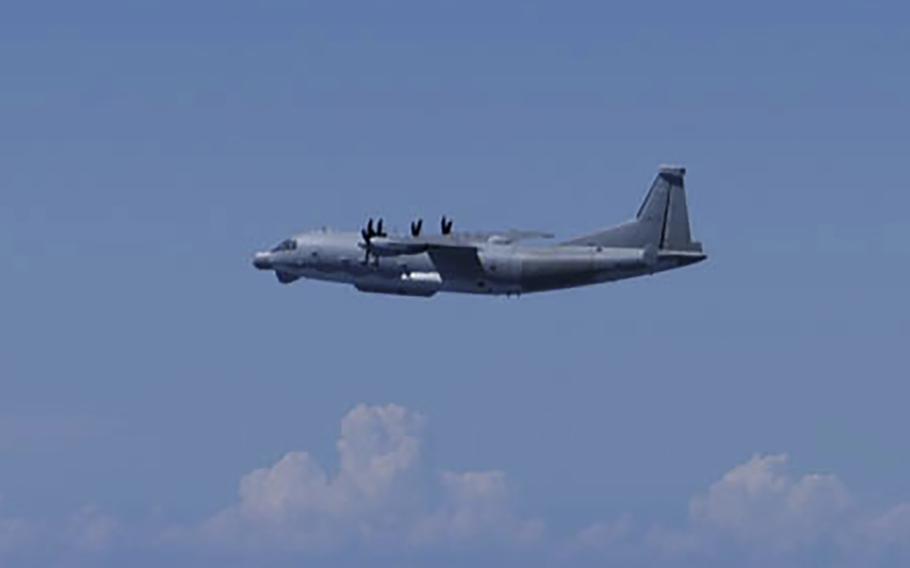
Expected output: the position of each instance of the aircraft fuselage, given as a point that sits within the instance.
(657, 239)
(503, 268)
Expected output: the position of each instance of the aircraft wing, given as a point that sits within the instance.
(455, 256)
(413, 245)
(501, 237)
(456, 262)
(392, 246)
(515, 235)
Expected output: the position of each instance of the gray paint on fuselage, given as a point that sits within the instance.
(508, 269)
(658, 239)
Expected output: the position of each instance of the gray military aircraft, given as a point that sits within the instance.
(414, 264)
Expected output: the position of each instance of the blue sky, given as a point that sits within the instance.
(146, 368)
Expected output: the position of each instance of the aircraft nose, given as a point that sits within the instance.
(262, 261)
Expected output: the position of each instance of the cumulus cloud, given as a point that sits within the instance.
(759, 503)
(86, 534)
(14, 533)
(891, 527)
(759, 513)
(604, 535)
(883, 536)
(476, 507)
(381, 495)
(90, 529)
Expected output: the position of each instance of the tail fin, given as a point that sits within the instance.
(662, 220)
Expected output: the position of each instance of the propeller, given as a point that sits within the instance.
(446, 225)
(416, 226)
(367, 233)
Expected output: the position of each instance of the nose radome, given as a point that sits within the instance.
(262, 261)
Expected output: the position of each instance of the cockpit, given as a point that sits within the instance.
(285, 245)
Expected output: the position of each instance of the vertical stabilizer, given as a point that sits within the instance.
(676, 234)
(662, 220)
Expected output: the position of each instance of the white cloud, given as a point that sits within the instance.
(49, 541)
(382, 494)
(476, 507)
(759, 503)
(382, 497)
(604, 535)
(881, 536)
(759, 514)
(89, 529)
(891, 527)
(14, 533)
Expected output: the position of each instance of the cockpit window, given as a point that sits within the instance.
(288, 244)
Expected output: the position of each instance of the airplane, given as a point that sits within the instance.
(494, 263)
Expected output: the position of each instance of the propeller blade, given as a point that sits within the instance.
(370, 227)
(379, 232)
(415, 227)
